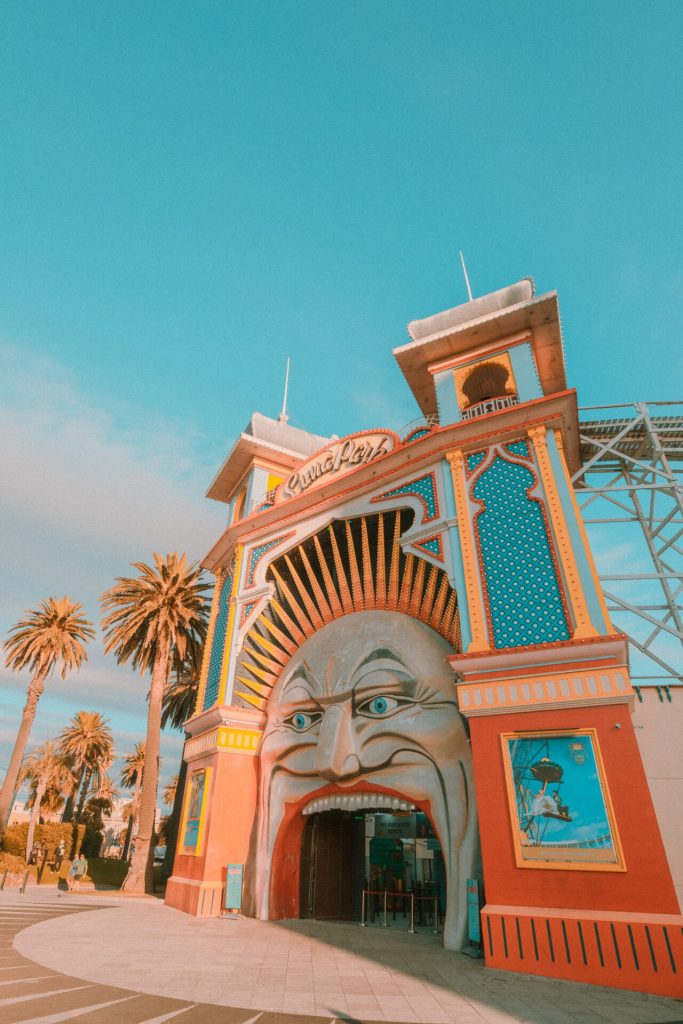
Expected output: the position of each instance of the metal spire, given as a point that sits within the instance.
(467, 280)
(283, 417)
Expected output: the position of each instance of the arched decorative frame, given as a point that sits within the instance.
(477, 464)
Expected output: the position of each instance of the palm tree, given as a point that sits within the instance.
(131, 776)
(152, 620)
(170, 790)
(180, 698)
(88, 745)
(54, 634)
(47, 770)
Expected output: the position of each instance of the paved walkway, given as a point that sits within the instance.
(99, 961)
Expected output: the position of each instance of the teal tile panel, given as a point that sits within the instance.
(524, 595)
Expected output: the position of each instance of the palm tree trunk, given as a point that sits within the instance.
(133, 817)
(140, 878)
(9, 786)
(35, 815)
(84, 792)
(68, 812)
(174, 822)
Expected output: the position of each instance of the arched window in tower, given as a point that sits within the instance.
(240, 502)
(488, 387)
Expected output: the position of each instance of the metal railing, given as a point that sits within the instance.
(433, 910)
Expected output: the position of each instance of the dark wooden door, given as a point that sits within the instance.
(331, 845)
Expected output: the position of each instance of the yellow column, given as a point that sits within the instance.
(230, 629)
(582, 530)
(584, 627)
(208, 643)
(479, 642)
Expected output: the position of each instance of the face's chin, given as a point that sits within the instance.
(414, 755)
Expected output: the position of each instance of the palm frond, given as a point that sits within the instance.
(54, 633)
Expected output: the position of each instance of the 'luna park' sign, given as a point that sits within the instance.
(337, 459)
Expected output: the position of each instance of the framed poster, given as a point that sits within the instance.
(195, 802)
(560, 807)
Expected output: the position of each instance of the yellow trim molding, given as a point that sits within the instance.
(475, 604)
(230, 628)
(584, 627)
(582, 531)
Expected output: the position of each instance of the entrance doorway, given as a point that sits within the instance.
(332, 865)
(345, 852)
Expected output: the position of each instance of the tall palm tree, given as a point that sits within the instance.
(152, 620)
(88, 745)
(180, 698)
(47, 770)
(131, 777)
(53, 634)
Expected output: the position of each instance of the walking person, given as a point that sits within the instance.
(81, 869)
(59, 856)
(71, 876)
(41, 858)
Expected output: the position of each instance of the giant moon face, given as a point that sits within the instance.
(367, 706)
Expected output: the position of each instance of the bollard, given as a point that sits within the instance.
(362, 909)
(4, 879)
(436, 916)
(23, 884)
(384, 922)
(411, 930)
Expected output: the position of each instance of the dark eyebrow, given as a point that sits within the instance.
(299, 675)
(381, 652)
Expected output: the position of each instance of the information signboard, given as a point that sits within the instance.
(473, 919)
(233, 887)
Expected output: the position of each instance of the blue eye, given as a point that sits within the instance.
(302, 720)
(377, 707)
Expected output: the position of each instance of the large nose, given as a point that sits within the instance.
(336, 756)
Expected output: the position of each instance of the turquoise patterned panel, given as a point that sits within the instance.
(519, 448)
(475, 460)
(422, 488)
(523, 590)
(256, 555)
(433, 545)
(213, 679)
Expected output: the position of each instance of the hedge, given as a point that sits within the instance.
(50, 834)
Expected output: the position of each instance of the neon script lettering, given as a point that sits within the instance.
(341, 457)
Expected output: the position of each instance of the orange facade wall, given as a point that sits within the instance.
(645, 886)
(198, 881)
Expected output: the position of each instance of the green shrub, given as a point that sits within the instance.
(50, 834)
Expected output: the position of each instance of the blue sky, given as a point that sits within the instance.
(191, 192)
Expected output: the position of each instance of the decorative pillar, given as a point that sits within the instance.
(475, 604)
(584, 627)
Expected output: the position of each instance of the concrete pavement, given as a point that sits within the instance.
(101, 961)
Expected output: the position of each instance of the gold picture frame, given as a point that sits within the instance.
(572, 829)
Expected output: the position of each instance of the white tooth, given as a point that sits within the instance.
(344, 802)
(395, 804)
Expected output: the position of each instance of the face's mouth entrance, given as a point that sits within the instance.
(356, 802)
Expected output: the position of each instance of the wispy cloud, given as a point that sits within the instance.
(87, 488)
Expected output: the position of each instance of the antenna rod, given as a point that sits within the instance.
(467, 280)
(283, 417)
